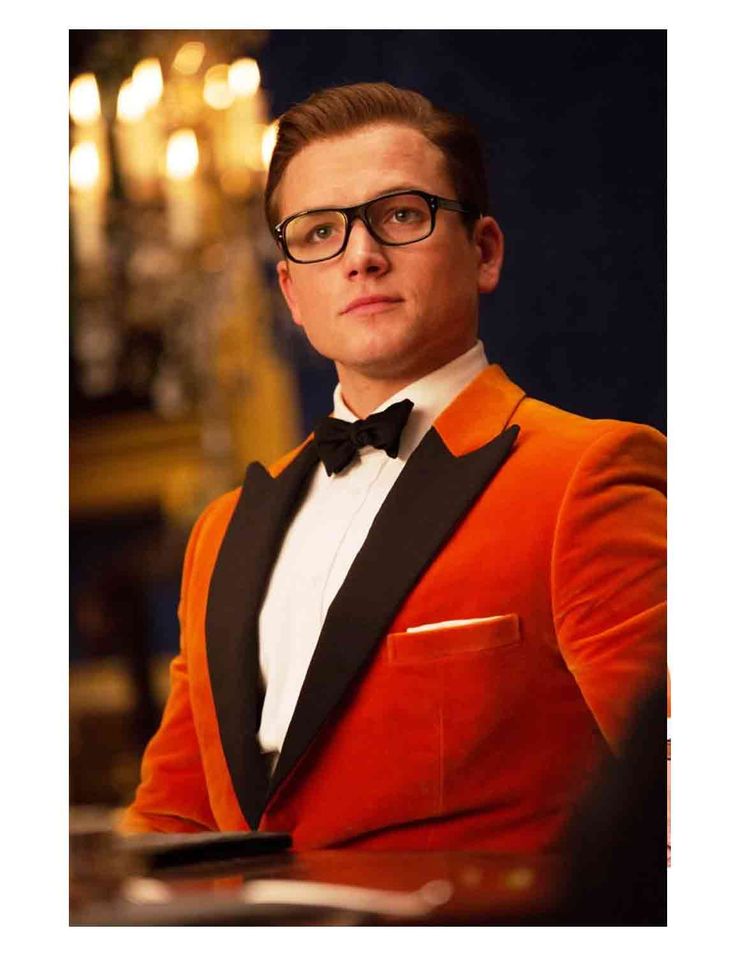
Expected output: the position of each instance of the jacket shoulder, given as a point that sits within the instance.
(555, 431)
(557, 452)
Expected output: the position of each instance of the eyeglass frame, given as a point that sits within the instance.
(351, 213)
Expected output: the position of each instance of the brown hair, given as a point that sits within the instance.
(343, 109)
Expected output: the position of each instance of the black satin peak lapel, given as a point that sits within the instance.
(237, 588)
(429, 499)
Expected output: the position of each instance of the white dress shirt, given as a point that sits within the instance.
(325, 536)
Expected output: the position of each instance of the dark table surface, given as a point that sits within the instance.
(111, 885)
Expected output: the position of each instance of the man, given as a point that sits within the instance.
(430, 637)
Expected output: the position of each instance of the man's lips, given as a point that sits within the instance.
(370, 303)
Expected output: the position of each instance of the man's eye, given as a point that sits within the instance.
(404, 214)
(320, 233)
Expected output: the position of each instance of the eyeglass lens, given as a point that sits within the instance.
(394, 219)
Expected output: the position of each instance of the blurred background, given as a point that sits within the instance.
(184, 363)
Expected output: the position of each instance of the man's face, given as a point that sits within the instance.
(426, 313)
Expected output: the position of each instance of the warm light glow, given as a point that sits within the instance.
(189, 58)
(244, 77)
(148, 80)
(268, 142)
(84, 99)
(182, 154)
(217, 91)
(84, 167)
(131, 103)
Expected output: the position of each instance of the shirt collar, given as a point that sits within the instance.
(430, 394)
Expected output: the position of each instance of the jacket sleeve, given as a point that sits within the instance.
(609, 574)
(172, 795)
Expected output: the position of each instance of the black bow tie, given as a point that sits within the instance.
(338, 441)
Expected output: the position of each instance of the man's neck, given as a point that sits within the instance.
(363, 394)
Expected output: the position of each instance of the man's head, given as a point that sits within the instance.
(347, 146)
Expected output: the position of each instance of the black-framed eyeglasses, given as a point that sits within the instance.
(394, 219)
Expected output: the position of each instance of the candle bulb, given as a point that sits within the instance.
(84, 100)
(184, 89)
(244, 77)
(219, 97)
(183, 190)
(138, 134)
(244, 125)
(87, 205)
(88, 125)
(189, 58)
(149, 81)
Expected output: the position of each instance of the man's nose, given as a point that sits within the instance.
(363, 254)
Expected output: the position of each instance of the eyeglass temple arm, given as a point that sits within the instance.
(456, 206)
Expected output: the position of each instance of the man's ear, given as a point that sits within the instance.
(287, 290)
(488, 240)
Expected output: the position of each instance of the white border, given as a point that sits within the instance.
(701, 268)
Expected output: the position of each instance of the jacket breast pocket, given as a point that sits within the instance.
(453, 639)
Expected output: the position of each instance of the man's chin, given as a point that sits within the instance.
(381, 365)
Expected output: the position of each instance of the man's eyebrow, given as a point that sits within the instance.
(399, 187)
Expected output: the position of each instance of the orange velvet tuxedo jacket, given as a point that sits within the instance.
(547, 527)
